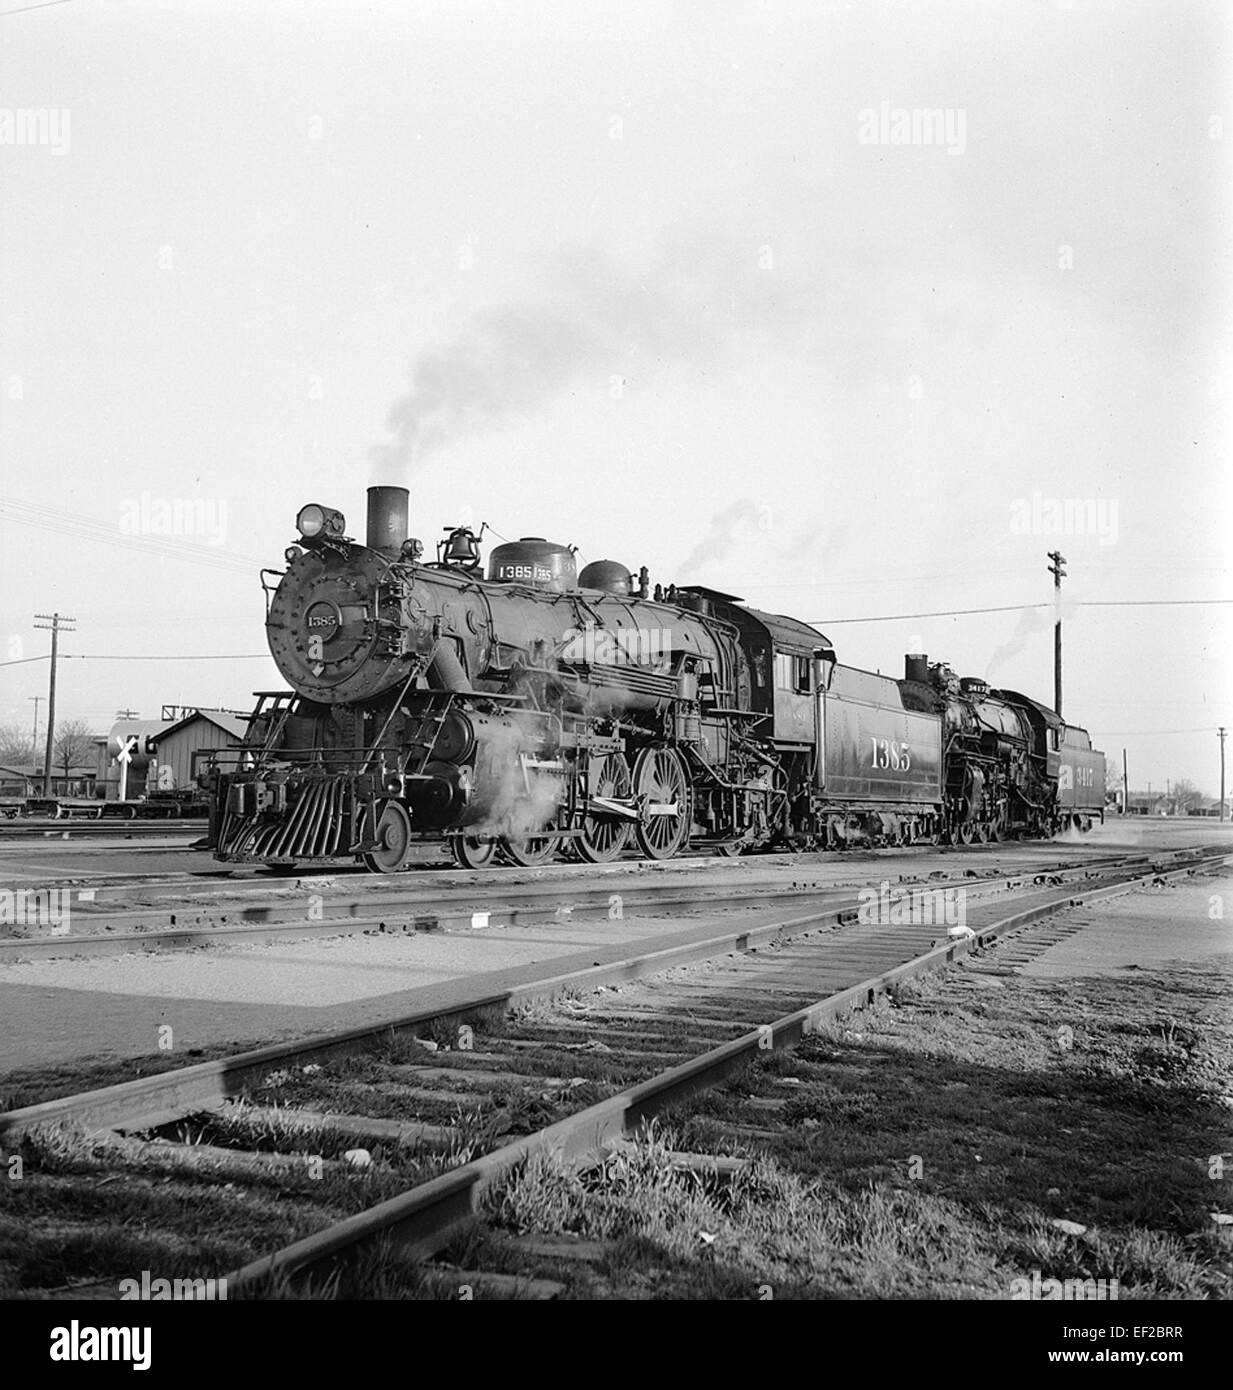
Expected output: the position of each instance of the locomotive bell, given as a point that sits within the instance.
(462, 548)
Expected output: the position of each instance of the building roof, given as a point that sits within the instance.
(235, 726)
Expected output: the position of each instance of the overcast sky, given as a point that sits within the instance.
(662, 281)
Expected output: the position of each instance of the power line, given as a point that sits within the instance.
(25, 9)
(89, 656)
(89, 528)
(1019, 607)
(234, 656)
(1148, 733)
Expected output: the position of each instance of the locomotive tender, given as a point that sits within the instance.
(537, 711)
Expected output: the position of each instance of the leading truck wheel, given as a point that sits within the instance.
(393, 840)
(663, 787)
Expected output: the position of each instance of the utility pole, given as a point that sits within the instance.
(55, 624)
(1058, 573)
(126, 714)
(1220, 735)
(34, 732)
(1125, 787)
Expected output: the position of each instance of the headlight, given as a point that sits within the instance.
(314, 521)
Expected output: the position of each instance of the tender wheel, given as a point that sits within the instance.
(528, 851)
(603, 838)
(470, 853)
(659, 777)
(393, 840)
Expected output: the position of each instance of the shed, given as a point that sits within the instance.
(172, 766)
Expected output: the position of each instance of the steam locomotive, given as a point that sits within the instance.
(536, 711)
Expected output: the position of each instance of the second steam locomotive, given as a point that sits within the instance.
(534, 711)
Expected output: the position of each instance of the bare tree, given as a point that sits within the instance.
(16, 750)
(1185, 794)
(74, 744)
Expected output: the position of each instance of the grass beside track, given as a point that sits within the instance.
(37, 1085)
(922, 1149)
(926, 1146)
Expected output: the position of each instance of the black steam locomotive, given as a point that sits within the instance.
(537, 711)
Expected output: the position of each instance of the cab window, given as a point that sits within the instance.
(792, 673)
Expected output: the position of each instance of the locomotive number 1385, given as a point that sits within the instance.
(888, 753)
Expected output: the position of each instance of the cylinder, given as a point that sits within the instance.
(387, 519)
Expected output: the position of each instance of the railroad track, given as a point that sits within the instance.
(321, 906)
(459, 908)
(83, 827)
(390, 1138)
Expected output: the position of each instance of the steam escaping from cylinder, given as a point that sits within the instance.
(387, 519)
(519, 801)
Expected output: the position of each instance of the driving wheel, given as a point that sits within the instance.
(470, 853)
(604, 837)
(528, 850)
(661, 783)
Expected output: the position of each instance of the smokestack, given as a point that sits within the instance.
(387, 519)
(916, 668)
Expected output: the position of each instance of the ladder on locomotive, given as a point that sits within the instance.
(424, 740)
(283, 702)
